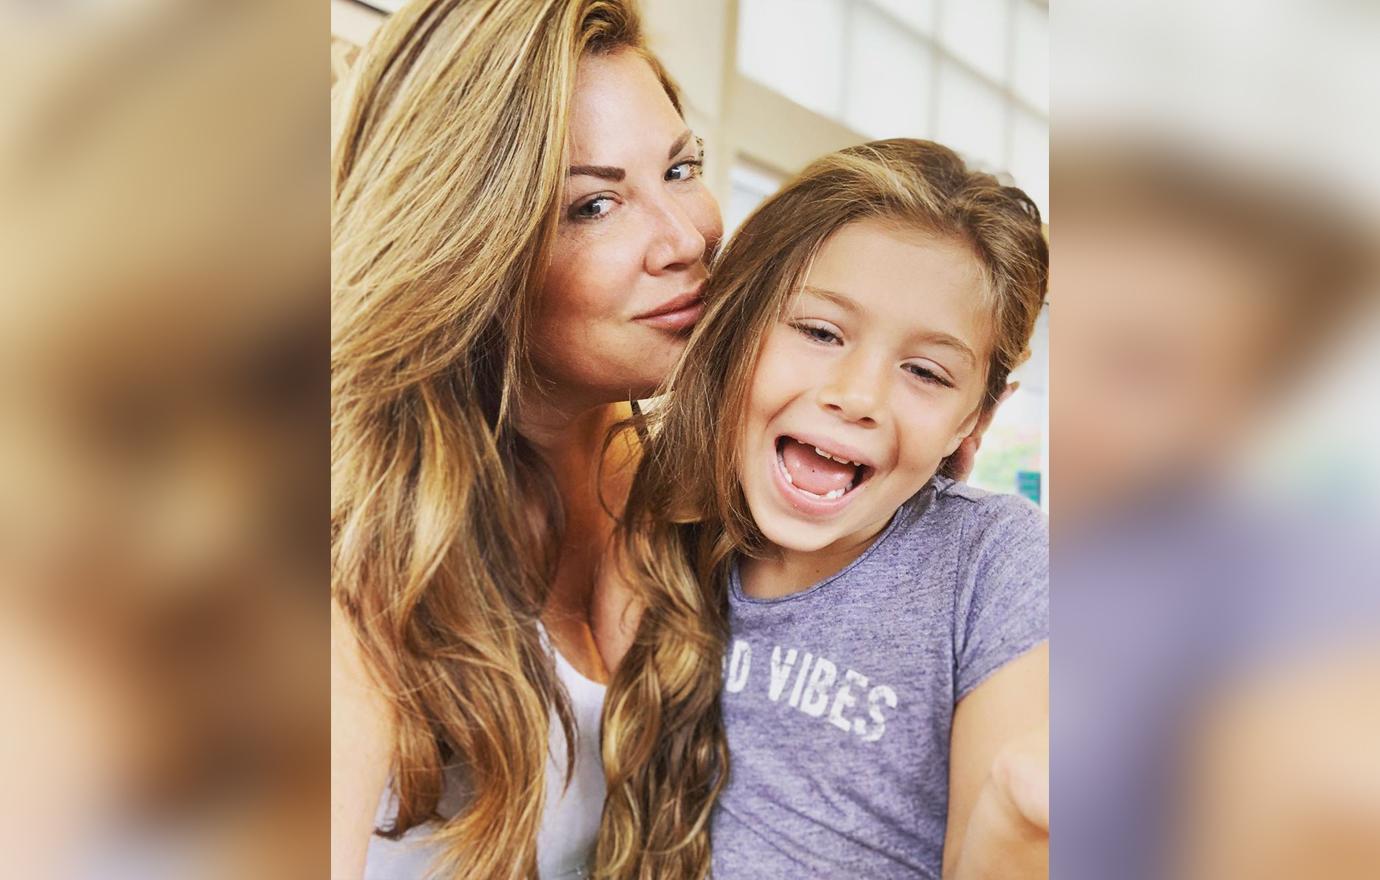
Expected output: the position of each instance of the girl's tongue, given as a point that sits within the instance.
(813, 472)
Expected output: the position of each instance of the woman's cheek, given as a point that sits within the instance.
(583, 288)
(709, 221)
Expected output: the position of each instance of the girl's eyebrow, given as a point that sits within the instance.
(616, 174)
(935, 337)
(842, 300)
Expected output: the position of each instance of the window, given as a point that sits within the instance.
(969, 73)
(793, 46)
(749, 185)
(884, 63)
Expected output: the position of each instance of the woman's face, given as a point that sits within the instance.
(637, 226)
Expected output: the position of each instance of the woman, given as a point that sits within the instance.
(519, 240)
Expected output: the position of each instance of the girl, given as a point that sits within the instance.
(519, 239)
(877, 629)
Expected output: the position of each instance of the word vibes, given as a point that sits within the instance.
(814, 686)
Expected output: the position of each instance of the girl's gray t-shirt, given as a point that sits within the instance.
(838, 700)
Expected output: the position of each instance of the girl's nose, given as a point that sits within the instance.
(855, 388)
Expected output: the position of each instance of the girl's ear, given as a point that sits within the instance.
(968, 430)
(958, 459)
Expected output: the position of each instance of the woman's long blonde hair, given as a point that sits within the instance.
(665, 752)
(449, 157)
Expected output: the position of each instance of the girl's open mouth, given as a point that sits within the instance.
(820, 478)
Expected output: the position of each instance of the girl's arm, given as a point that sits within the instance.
(361, 746)
(998, 825)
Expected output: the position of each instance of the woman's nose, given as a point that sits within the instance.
(679, 242)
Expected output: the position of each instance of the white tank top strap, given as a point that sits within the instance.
(570, 816)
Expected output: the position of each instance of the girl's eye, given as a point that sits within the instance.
(927, 375)
(595, 209)
(817, 333)
(686, 170)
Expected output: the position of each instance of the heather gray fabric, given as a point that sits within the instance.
(838, 700)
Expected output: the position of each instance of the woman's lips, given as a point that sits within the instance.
(675, 315)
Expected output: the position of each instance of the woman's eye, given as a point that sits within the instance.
(928, 375)
(594, 209)
(817, 333)
(687, 170)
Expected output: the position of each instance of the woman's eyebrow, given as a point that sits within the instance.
(605, 172)
(616, 174)
(679, 144)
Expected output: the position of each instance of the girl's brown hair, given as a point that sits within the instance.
(665, 753)
(449, 157)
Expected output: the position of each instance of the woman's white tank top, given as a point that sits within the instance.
(569, 822)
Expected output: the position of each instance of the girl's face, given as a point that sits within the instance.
(637, 227)
(872, 378)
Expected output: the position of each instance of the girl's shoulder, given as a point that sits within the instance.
(968, 526)
(957, 505)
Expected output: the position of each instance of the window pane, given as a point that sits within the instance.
(1030, 159)
(918, 14)
(888, 78)
(972, 118)
(975, 30)
(1031, 76)
(794, 47)
(1015, 450)
(748, 186)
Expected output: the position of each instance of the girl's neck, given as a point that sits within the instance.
(789, 571)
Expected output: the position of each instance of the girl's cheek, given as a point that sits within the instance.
(777, 370)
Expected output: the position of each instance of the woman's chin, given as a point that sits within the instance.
(650, 383)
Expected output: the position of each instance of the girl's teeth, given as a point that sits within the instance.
(831, 495)
(822, 453)
(785, 471)
(827, 496)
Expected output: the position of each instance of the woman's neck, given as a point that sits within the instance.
(588, 482)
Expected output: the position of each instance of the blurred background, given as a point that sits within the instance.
(773, 84)
(164, 315)
(1215, 586)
